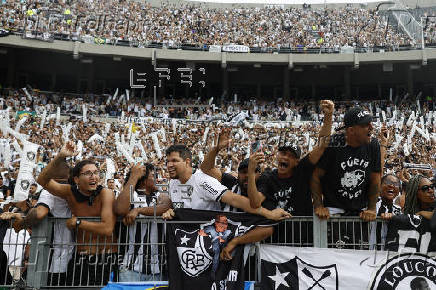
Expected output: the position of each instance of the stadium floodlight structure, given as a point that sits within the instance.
(413, 28)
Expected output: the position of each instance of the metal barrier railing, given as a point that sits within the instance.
(54, 258)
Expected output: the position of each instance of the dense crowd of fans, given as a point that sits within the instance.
(250, 120)
(139, 133)
(188, 24)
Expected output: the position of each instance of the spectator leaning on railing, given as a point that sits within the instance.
(86, 197)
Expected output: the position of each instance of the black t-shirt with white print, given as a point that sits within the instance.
(347, 175)
(291, 194)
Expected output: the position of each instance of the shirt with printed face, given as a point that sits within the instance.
(346, 180)
(291, 194)
(200, 192)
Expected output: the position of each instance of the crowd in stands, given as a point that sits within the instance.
(299, 120)
(404, 126)
(188, 24)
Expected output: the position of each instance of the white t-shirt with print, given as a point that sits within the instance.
(62, 236)
(201, 191)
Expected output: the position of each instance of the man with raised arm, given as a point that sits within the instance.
(201, 191)
(86, 198)
(141, 261)
(287, 187)
(346, 180)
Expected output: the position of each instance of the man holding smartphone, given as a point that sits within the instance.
(287, 186)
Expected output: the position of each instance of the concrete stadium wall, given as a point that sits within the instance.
(418, 56)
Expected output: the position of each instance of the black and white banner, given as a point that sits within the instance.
(194, 249)
(411, 264)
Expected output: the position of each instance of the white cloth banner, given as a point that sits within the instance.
(215, 48)
(25, 174)
(110, 169)
(20, 123)
(84, 112)
(320, 268)
(58, 116)
(236, 48)
(44, 115)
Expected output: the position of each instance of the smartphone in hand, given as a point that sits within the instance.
(256, 146)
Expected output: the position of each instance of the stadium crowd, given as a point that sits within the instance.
(401, 142)
(188, 24)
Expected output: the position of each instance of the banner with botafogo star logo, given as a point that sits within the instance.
(194, 249)
(407, 262)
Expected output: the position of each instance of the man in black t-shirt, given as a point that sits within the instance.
(347, 178)
(287, 187)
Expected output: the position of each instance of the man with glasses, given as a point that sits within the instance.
(96, 245)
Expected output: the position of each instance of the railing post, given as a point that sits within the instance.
(319, 232)
(37, 268)
(258, 274)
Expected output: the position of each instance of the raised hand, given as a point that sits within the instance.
(255, 159)
(69, 149)
(138, 170)
(327, 107)
(384, 135)
(224, 138)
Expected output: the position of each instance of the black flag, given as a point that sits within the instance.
(194, 249)
(411, 232)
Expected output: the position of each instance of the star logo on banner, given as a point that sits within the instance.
(184, 240)
(279, 279)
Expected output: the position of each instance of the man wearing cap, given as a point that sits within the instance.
(347, 178)
(287, 187)
(236, 185)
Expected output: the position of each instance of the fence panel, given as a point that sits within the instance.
(57, 259)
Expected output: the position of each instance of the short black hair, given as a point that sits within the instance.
(183, 150)
(387, 175)
(34, 184)
(75, 172)
(244, 165)
(148, 168)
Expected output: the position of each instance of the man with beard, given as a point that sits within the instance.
(96, 245)
(346, 180)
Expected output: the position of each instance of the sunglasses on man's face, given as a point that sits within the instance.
(427, 187)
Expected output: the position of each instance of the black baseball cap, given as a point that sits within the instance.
(356, 116)
(244, 165)
(292, 147)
